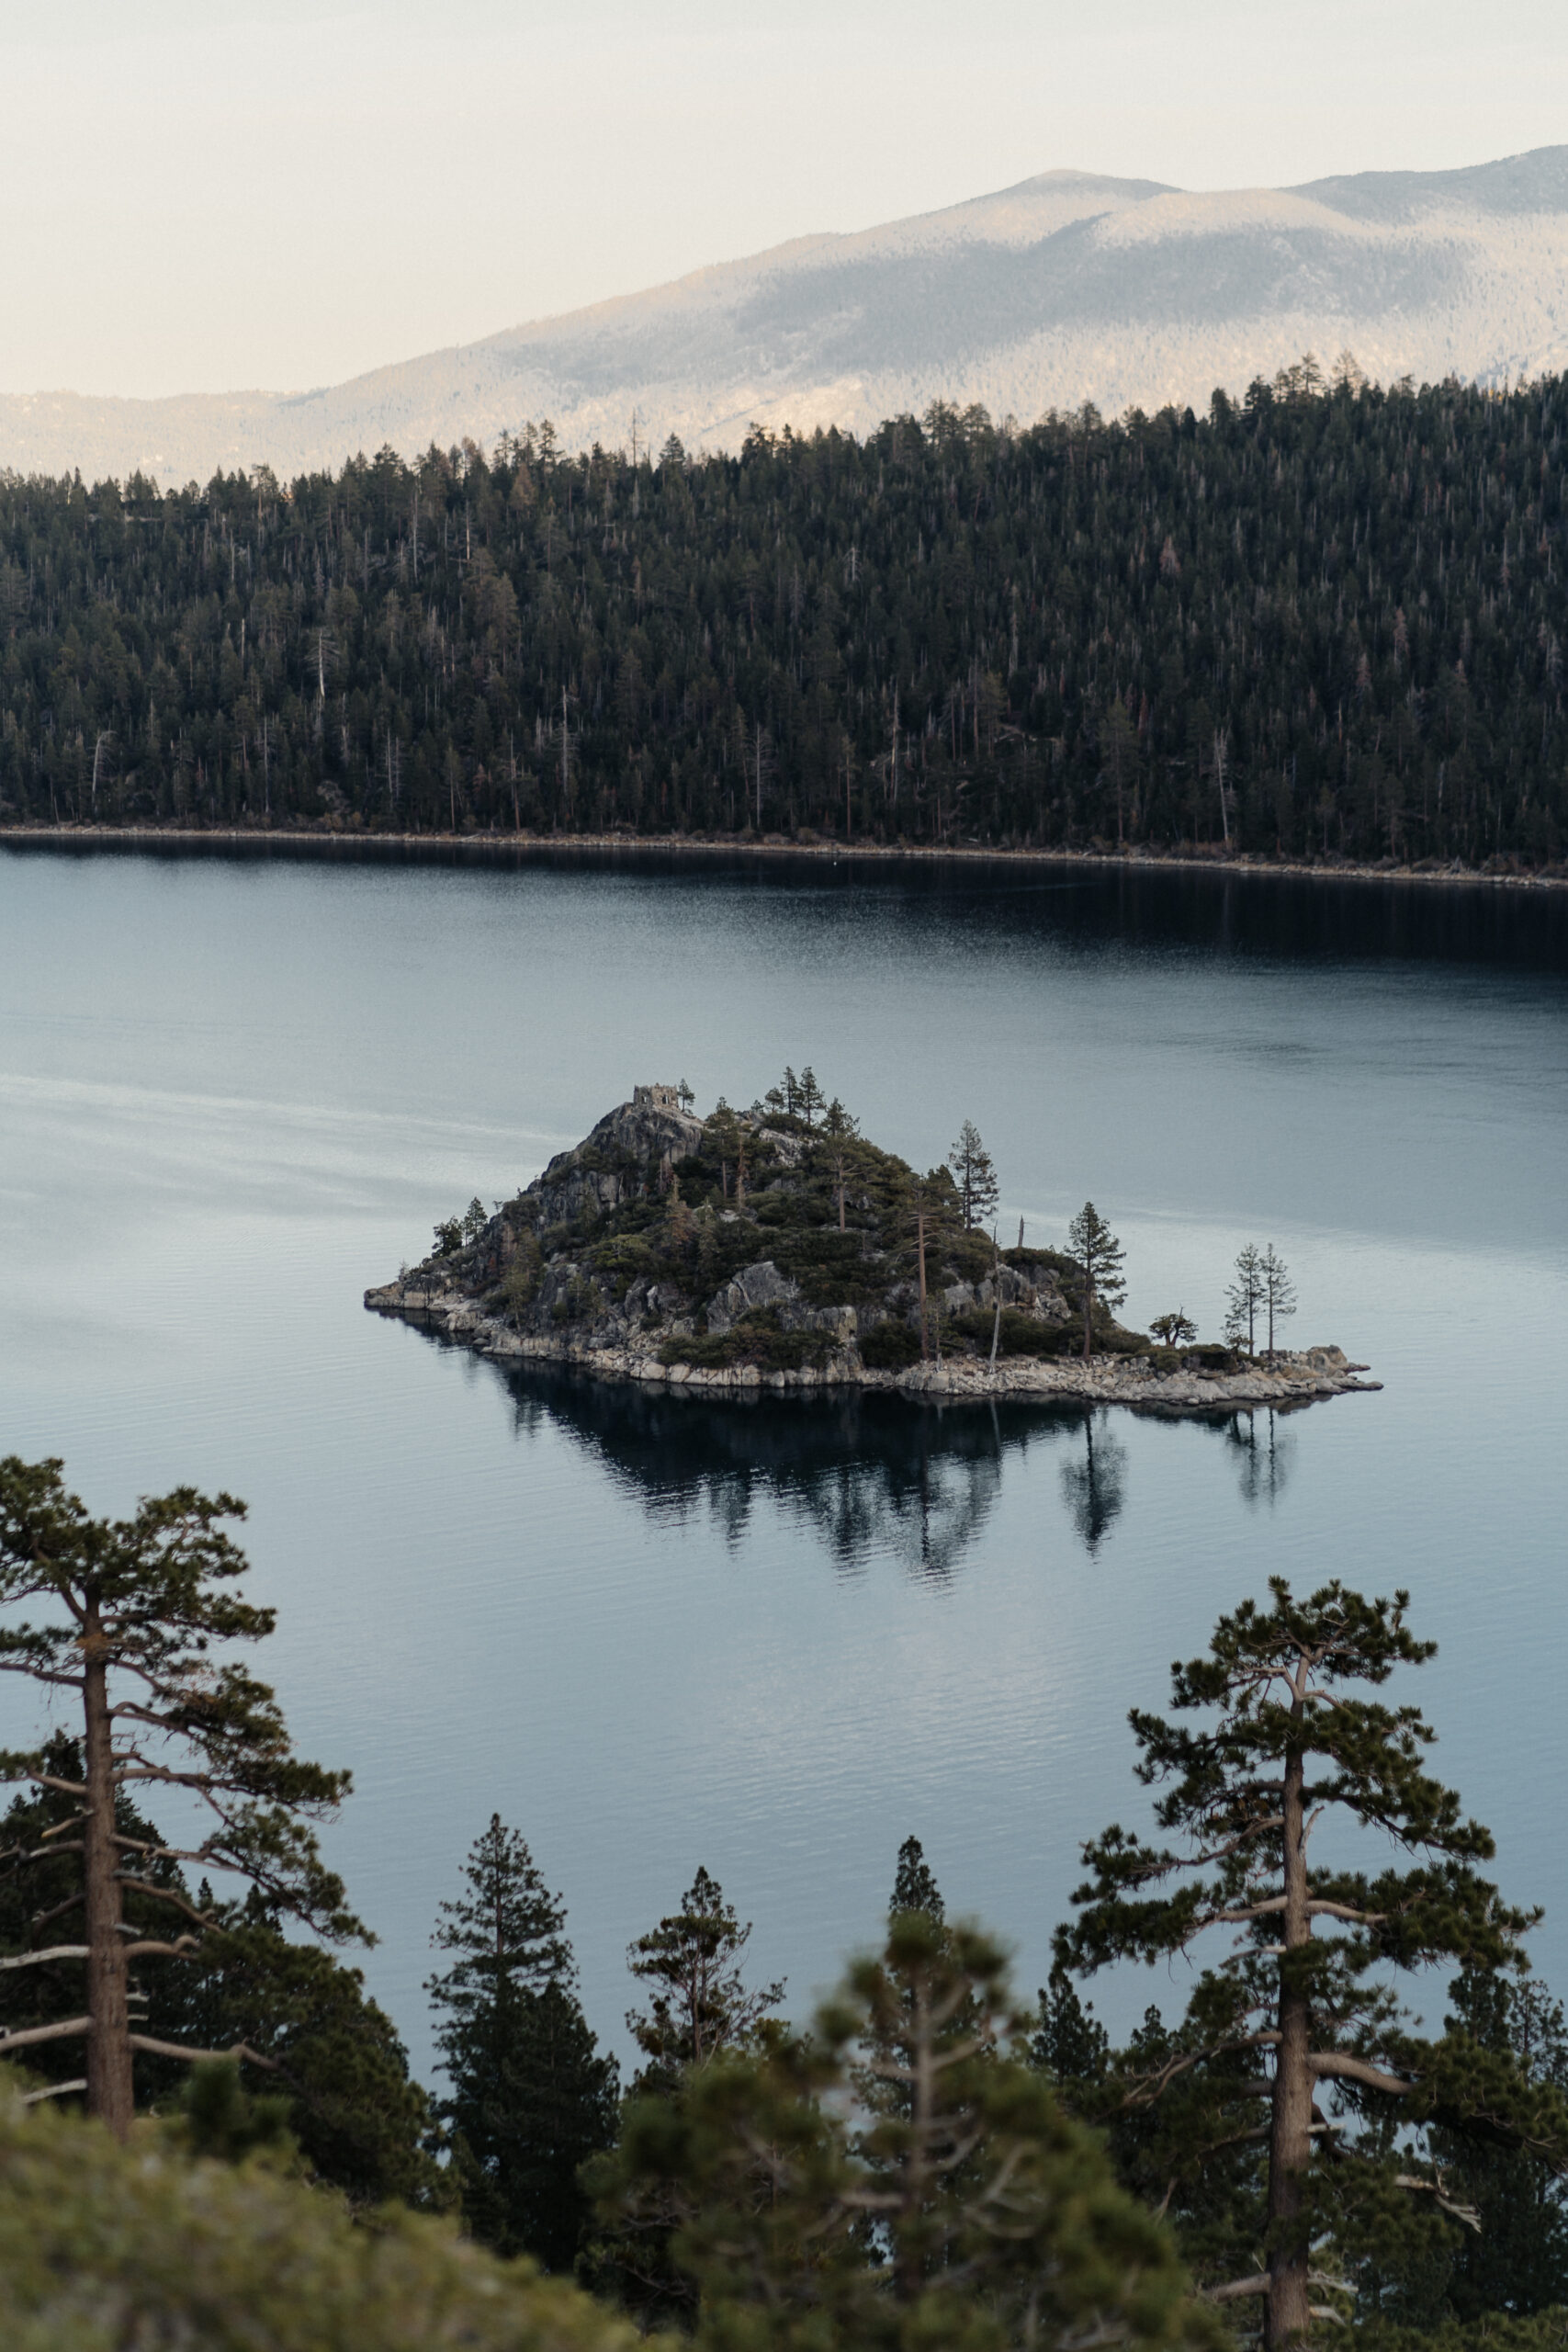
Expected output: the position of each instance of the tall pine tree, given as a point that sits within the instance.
(1291, 1750)
(531, 2097)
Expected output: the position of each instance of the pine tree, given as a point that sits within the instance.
(838, 1132)
(134, 1608)
(1300, 2006)
(1099, 1256)
(1517, 2258)
(700, 2002)
(914, 1888)
(972, 1166)
(337, 2072)
(1277, 1293)
(960, 2206)
(1069, 2045)
(531, 2097)
(532, 2100)
(1244, 1298)
(505, 1928)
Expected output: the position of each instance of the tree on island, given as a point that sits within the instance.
(1302, 2003)
(840, 1131)
(976, 1176)
(1278, 1293)
(531, 2097)
(1099, 1256)
(1177, 1330)
(134, 1609)
(1244, 1298)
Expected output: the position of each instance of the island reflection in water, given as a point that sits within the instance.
(873, 1477)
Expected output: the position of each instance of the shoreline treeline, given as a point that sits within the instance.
(1327, 620)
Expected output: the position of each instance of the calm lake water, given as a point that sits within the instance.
(655, 1633)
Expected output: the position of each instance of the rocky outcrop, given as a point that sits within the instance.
(737, 1254)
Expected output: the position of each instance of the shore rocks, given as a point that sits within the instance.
(1295, 1376)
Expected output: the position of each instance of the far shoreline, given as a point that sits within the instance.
(482, 849)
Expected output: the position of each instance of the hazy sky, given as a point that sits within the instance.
(202, 197)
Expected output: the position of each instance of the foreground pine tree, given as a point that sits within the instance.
(700, 2001)
(531, 2096)
(332, 2055)
(131, 1610)
(957, 2206)
(1294, 2050)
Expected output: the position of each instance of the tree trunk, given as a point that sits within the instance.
(109, 2089)
(841, 1176)
(1087, 1308)
(996, 1284)
(1289, 2139)
(920, 1243)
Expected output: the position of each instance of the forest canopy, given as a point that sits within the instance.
(1326, 621)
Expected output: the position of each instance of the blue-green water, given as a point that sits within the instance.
(653, 1633)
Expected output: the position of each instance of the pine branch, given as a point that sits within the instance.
(53, 1951)
(201, 2057)
(67, 2031)
(167, 1895)
(1333, 2066)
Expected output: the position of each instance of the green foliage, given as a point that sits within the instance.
(757, 1338)
(531, 2097)
(1069, 2045)
(103, 2247)
(358, 2120)
(1303, 2009)
(217, 2118)
(914, 1888)
(1098, 1257)
(976, 1176)
(889, 1346)
(1018, 1335)
(897, 2179)
(1245, 1297)
(1315, 625)
(532, 2100)
(1176, 1330)
(699, 2003)
(131, 1612)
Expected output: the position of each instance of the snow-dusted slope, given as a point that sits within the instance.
(1062, 290)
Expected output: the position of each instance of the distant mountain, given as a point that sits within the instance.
(1064, 289)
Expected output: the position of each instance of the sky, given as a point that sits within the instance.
(280, 194)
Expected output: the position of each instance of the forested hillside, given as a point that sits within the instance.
(1324, 622)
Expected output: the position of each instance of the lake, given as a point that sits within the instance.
(777, 1639)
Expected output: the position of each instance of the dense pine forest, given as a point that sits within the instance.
(1323, 622)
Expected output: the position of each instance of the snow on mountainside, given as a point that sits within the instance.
(1064, 289)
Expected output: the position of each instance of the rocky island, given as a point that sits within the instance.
(778, 1247)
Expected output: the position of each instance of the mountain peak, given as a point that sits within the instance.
(1067, 287)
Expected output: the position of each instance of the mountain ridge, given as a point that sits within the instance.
(1065, 287)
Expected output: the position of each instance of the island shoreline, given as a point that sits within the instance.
(1292, 1380)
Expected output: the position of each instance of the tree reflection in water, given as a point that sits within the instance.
(873, 1476)
(1094, 1483)
(1266, 1455)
